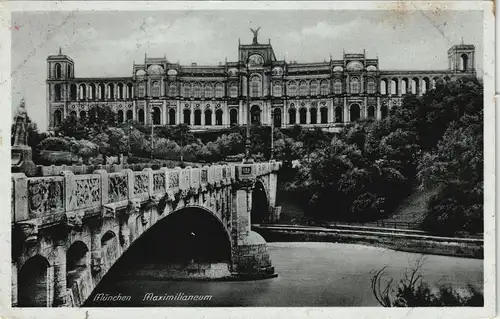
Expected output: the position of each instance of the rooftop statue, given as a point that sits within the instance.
(255, 34)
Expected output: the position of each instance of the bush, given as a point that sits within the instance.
(55, 144)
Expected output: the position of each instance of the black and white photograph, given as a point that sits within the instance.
(337, 156)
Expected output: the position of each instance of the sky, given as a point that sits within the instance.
(105, 44)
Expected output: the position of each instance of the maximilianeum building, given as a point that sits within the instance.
(282, 93)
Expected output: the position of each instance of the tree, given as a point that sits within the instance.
(100, 117)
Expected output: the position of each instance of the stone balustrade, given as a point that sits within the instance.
(42, 197)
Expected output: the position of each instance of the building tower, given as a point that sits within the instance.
(60, 69)
(461, 58)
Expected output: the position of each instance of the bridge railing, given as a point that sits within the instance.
(48, 199)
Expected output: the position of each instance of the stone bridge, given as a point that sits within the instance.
(68, 231)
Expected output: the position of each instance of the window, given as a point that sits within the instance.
(255, 114)
(120, 91)
(404, 86)
(83, 114)
(141, 89)
(129, 115)
(219, 90)
(371, 111)
(186, 90)
(233, 90)
(156, 116)
(58, 71)
(324, 87)
(155, 89)
(464, 62)
(171, 117)
(292, 114)
(92, 91)
(303, 116)
(172, 90)
(370, 86)
(324, 115)
(354, 85)
(120, 116)
(111, 91)
(72, 92)
(218, 117)
(197, 90)
(355, 112)
(338, 115)
(233, 116)
(83, 92)
(337, 87)
(197, 117)
(292, 88)
(140, 114)
(255, 86)
(69, 70)
(314, 115)
(394, 87)
(277, 91)
(208, 117)
(383, 87)
(209, 91)
(57, 117)
(303, 88)
(314, 88)
(277, 117)
(101, 91)
(187, 117)
(383, 111)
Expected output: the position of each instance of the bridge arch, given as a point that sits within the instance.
(260, 203)
(77, 262)
(34, 283)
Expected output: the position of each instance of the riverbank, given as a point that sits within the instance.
(400, 241)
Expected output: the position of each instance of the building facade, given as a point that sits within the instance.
(278, 92)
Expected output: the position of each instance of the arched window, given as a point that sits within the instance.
(255, 86)
(69, 70)
(58, 71)
(83, 91)
(464, 62)
(355, 112)
(120, 116)
(171, 117)
(233, 117)
(209, 91)
(337, 86)
(130, 93)
(404, 86)
(303, 116)
(324, 87)
(57, 92)
(314, 115)
(233, 90)
(218, 117)
(292, 88)
(425, 85)
(57, 117)
(92, 91)
(156, 116)
(277, 91)
(72, 92)
(383, 111)
(354, 85)
(197, 117)
(219, 90)
(140, 115)
(383, 87)
(186, 90)
(370, 86)
(314, 87)
(130, 115)
(187, 116)
(101, 91)
(83, 115)
(324, 115)
(255, 114)
(414, 86)
(338, 115)
(394, 87)
(172, 89)
(141, 89)
(197, 90)
(155, 88)
(120, 90)
(303, 89)
(208, 117)
(73, 114)
(277, 117)
(292, 116)
(371, 111)
(111, 91)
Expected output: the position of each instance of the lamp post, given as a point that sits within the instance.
(248, 144)
(152, 131)
(272, 134)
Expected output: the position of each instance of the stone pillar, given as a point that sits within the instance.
(59, 266)
(14, 286)
(178, 114)
(379, 113)
(346, 111)
(191, 116)
(213, 117)
(308, 116)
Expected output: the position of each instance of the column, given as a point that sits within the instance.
(202, 118)
(178, 113)
(191, 116)
(59, 266)
(365, 108)
(318, 114)
(379, 114)
(346, 111)
(308, 115)
(213, 116)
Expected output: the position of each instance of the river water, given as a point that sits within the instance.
(309, 274)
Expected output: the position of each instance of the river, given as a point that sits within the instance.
(309, 274)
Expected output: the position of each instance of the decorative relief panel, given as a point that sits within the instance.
(45, 195)
(117, 187)
(140, 183)
(173, 179)
(158, 182)
(86, 193)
